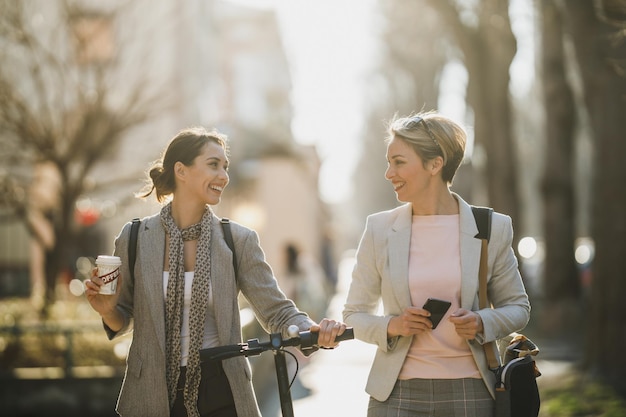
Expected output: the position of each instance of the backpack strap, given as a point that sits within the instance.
(228, 237)
(132, 246)
(134, 233)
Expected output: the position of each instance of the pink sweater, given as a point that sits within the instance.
(435, 271)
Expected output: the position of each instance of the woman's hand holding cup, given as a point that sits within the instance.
(102, 289)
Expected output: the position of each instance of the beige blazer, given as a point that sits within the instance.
(144, 390)
(381, 274)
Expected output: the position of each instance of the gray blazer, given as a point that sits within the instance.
(381, 273)
(144, 390)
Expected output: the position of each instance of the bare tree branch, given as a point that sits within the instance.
(63, 104)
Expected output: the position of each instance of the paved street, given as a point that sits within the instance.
(332, 383)
(337, 380)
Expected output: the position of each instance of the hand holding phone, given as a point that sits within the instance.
(437, 309)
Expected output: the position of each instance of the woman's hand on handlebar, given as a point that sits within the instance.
(328, 329)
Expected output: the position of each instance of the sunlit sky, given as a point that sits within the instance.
(331, 46)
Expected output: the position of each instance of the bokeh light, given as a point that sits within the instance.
(77, 287)
(584, 251)
(120, 350)
(527, 247)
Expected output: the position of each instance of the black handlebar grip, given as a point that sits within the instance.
(348, 334)
(308, 339)
(218, 352)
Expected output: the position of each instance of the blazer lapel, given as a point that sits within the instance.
(399, 239)
(152, 242)
(470, 255)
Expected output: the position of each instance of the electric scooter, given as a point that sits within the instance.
(306, 340)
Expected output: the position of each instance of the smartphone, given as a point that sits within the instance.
(437, 309)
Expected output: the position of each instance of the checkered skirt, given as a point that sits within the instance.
(466, 397)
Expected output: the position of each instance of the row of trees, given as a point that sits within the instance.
(61, 108)
(581, 85)
(597, 31)
(65, 105)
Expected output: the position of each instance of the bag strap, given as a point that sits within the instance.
(228, 236)
(132, 246)
(482, 216)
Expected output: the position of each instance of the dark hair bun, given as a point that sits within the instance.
(155, 173)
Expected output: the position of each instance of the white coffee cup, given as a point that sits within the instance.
(108, 272)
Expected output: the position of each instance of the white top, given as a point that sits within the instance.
(209, 337)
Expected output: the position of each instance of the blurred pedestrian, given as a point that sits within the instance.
(307, 282)
(424, 249)
(183, 297)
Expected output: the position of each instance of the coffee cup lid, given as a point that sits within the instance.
(108, 260)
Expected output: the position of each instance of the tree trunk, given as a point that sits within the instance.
(488, 50)
(52, 267)
(600, 52)
(560, 277)
(488, 61)
(57, 257)
(414, 56)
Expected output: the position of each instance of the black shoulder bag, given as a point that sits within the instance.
(516, 389)
(134, 233)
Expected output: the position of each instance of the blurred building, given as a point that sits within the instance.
(215, 64)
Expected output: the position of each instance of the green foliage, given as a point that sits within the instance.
(72, 335)
(582, 397)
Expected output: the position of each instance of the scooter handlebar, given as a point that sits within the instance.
(308, 339)
(305, 340)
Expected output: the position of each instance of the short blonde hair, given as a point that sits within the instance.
(431, 135)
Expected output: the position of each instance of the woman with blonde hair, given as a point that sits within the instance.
(426, 249)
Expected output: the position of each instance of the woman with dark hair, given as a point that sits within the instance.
(184, 294)
(426, 248)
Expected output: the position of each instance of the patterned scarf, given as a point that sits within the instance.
(174, 304)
